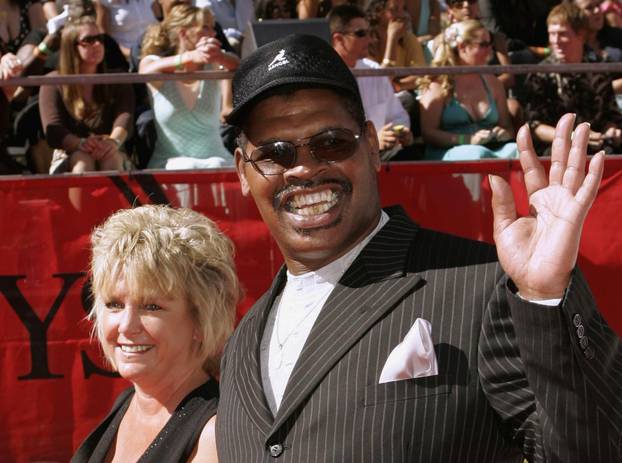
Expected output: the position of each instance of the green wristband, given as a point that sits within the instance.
(43, 48)
(179, 65)
(461, 139)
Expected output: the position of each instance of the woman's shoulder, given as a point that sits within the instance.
(92, 448)
(205, 448)
(51, 88)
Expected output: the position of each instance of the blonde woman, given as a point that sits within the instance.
(187, 113)
(465, 116)
(165, 294)
(88, 122)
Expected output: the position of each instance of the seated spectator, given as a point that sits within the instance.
(308, 9)
(39, 55)
(461, 10)
(350, 38)
(186, 112)
(124, 21)
(524, 24)
(39, 51)
(604, 40)
(87, 124)
(465, 116)
(17, 19)
(393, 43)
(274, 9)
(590, 95)
(613, 12)
(425, 16)
(233, 16)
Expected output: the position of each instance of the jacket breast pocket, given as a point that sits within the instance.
(407, 389)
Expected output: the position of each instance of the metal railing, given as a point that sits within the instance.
(130, 78)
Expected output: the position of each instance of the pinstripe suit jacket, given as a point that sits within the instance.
(514, 379)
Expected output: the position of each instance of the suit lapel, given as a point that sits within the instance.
(248, 368)
(373, 285)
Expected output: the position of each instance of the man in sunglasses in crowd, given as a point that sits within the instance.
(350, 38)
(381, 341)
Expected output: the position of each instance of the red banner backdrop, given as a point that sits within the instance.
(55, 387)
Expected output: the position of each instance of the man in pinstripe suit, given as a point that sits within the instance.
(334, 364)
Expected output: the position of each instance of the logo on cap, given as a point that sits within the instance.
(279, 60)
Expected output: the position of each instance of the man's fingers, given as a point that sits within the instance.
(560, 148)
(588, 190)
(535, 178)
(503, 207)
(575, 167)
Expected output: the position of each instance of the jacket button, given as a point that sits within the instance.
(584, 342)
(580, 331)
(276, 450)
(577, 320)
(589, 353)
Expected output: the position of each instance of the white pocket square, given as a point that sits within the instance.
(414, 357)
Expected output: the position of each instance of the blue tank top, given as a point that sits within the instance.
(455, 118)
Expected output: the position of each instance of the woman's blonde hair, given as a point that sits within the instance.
(446, 53)
(163, 39)
(69, 63)
(159, 250)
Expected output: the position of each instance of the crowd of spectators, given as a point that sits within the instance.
(181, 124)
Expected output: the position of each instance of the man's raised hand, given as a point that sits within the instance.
(539, 251)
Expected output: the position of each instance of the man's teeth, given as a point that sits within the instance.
(314, 203)
(134, 349)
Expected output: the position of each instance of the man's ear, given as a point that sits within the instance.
(240, 165)
(336, 39)
(372, 138)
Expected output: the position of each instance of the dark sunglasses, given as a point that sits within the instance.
(332, 145)
(91, 39)
(460, 2)
(360, 33)
(482, 44)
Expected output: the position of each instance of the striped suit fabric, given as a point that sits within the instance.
(514, 379)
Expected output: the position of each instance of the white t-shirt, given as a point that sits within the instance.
(128, 19)
(379, 100)
(228, 16)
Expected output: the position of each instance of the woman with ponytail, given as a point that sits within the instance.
(187, 113)
(86, 123)
(465, 116)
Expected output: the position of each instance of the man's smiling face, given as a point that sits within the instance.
(315, 210)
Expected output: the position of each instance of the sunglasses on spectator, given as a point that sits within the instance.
(332, 145)
(460, 2)
(360, 33)
(482, 44)
(91, 39)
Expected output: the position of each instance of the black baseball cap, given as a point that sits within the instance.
(306, 61)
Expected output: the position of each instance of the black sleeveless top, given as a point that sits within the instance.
(176, 440)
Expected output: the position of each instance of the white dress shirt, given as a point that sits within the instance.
(293, 315)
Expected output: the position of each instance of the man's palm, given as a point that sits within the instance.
(539, 251)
